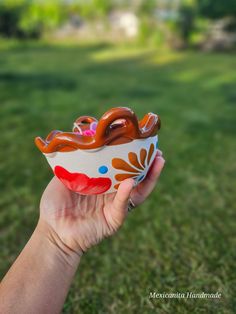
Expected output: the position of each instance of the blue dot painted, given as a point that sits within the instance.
(103, 169)
(140, 178)
(156, 145)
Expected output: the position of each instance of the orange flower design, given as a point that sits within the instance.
(136, 168)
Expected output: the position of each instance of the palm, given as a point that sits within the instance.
(82, 221)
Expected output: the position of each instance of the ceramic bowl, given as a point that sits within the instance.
(98, 155)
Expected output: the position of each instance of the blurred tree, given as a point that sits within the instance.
(102, 7)
(215, 9)
(147, 21)
(147, 7)
(10, 14)
(42, 16)
(90, 9)
(26, 18)
(221, 35)
(185, 21)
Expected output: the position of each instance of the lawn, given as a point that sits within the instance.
(183, 238)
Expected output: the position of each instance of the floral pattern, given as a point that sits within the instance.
(136, 167)
(81, 183)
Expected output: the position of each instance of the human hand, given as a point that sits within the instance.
(77, 222)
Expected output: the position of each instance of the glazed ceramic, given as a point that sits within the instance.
(98, 155)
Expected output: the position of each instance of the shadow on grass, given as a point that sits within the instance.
(43, 81)
(37, 46)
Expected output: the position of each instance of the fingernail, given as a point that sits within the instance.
(161, 158)
(159, 152)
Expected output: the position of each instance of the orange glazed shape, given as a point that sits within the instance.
(106, 134)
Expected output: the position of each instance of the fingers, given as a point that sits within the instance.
(154, 173)
(141, 192)
(118, 210)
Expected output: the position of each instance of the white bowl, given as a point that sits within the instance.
(101, 169)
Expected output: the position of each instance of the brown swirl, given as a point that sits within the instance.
(117, 126)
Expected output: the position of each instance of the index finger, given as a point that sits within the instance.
(142, 191)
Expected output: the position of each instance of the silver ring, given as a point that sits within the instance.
(131, 205)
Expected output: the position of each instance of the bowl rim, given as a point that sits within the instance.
(105, 134)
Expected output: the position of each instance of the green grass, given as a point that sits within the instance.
(182, 239)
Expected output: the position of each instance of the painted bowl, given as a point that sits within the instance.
(98, 155)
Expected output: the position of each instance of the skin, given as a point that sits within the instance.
(69, 224)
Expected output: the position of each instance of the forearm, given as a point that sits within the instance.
(39, 280)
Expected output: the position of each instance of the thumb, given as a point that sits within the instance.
(119, 206)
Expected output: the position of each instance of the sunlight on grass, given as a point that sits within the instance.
(197, 73)
(119, 53)
(167, 56)
(152, 55)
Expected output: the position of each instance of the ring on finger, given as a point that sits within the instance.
(131, 205)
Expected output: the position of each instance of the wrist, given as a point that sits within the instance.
(56, 246)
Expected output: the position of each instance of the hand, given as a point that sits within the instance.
(77, 222)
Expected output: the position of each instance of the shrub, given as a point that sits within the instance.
(10, 16)
(24, 18)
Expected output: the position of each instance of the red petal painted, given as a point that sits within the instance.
(81, 183)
